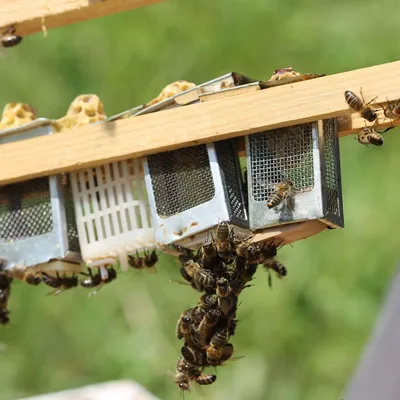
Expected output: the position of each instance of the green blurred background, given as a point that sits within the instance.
(301, 340)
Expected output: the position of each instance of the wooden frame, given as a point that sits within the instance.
(30, 16)
(202, 122)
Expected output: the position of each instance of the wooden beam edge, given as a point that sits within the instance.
(30, 16)
(198, 123)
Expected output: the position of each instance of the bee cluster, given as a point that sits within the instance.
(221, 269)
(60, 283)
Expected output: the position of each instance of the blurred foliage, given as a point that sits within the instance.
(301, 340)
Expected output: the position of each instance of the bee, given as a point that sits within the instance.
(208, 301)
(249, 251)
(284, 191)
(215, 350)
(225, 301)
(59, 283)
(232, 324)
(270, 250)
(220, 338)
(209, 254)
(150, 259)
(392, 111)
(28, 275)
(204, 330)
(136, 262)
(185, 327)
(224, 234)
(9, 38)
(240, 282)
(202, 279)
(205, 379)
(111, 275)
(5, 290)
(357, 104)
(92, 280)
(193, 357)
(183, 380)
(274, 265)
(370, 136)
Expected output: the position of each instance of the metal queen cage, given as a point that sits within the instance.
(192, 189)
(308, 156)
(37, 219)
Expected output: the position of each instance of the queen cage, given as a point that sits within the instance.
(192, 189)
(37, 219)
(308, 156)
(112, 212)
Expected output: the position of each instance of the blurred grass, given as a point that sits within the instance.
(303, 339)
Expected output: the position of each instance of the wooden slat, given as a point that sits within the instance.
(28, 15)
(193, 124)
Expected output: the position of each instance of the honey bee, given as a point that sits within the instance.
(92, 280)
(392, 111)
(202, 279)
(111, 275)
(370, 136)
(9, 38)
(225, 301)
(28, 275)
(150, 259)
(205, 379)
(208, 301)
(185, 327)
(357, 104)
(193, 357)
(215, 350)
(249, 251)
(232, 324)
(5, 290)
(204, 330)
(136, 262)
(208, 254)
(224, 234)
(284, 191)
(274, 265)
(270, 250)
(59, 283)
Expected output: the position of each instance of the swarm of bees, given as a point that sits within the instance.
(221, 269)
(369, 135)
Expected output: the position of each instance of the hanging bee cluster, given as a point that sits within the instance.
(220, 269)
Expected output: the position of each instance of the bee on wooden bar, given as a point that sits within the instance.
(392, 111)
(136, 262)
(284, 191)
(357, 104)
(28, 275)
(9, 38)
(150, 260)
(92, 280)
(370, 136)
(5, 290)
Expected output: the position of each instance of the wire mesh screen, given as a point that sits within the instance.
(281, 154)
(25, 210)
(331, 160)
(181, 179)
(72, 231)
(229, 166)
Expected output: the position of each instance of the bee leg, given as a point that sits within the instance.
(269, 278)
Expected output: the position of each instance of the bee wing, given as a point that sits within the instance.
(180, 282)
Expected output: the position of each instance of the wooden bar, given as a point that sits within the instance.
(199, 123)
(29, 16)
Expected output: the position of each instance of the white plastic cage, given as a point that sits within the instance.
(193, 189)
(112, 211)
(308, 156)
(37, 219)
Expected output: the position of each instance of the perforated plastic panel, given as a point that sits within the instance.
(281, 154)
(181, 179)
(25, 210)
(331, 154)
(111, 209)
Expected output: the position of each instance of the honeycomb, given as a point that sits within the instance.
(171, 90)
(16, 114)
(85, 109)
(283, 73)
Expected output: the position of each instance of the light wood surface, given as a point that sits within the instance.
(199, 123)
(29, 15)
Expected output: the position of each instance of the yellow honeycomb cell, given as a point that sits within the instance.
(171, 90)
(16, 114)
